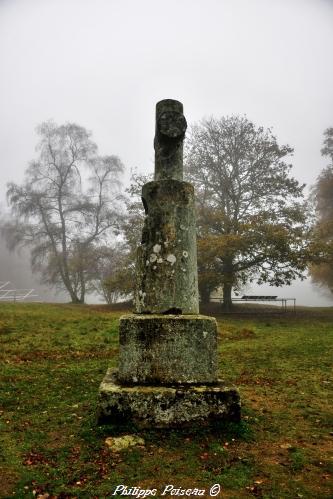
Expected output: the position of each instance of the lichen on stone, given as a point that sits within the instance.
(117, 444)
(171, 258)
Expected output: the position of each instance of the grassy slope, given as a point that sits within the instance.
(53, 358)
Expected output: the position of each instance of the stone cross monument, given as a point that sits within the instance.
(167, 373)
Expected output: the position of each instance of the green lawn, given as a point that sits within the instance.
(53, 358)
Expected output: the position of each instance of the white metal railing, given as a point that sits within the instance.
(14, 294)
(262, 299)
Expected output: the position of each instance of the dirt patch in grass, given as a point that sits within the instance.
(8, 479)
(246, 378)
(242, 334)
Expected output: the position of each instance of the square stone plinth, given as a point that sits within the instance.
(166, 349)
(167, 406)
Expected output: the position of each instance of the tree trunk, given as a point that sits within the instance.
(83, 287)
(76, 299)
(227, 302)
(228, 277)
(74, 296)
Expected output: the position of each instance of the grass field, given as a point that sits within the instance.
(53, 358)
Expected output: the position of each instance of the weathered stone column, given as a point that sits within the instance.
(167, 279)
(168, 365)
(167, 257)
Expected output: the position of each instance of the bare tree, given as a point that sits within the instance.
(54, 214)
(114, 272)
(132, 224)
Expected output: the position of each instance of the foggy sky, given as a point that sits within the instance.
(105, 63)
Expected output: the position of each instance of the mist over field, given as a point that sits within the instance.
(15, 268)
(105, 64)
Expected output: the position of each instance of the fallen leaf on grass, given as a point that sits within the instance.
(286, 446)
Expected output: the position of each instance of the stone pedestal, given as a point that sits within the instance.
(175, 406)
(161, 350)
(167, 375)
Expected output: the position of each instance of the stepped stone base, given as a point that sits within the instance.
(167, 406)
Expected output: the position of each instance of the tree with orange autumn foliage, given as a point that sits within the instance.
(321, 268)
(252, 220)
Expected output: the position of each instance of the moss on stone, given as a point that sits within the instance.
(166, 349)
